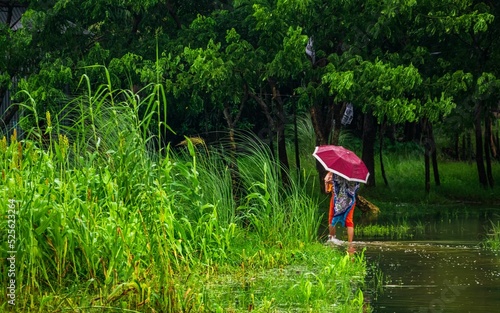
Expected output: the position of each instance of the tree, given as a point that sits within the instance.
(13, 48)
(243, 63)
(466, 36)
(59, 41)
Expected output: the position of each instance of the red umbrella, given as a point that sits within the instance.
(342, 162)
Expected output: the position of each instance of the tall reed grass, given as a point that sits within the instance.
(276, 211)
(105, 222)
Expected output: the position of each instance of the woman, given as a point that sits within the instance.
(342, 205)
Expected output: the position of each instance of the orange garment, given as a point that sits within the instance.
(349, 221)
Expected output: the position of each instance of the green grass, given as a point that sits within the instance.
(404, 168)
(493, 240)
(459, 183)
(104, 223)
(313, 280)
(107, 223)
(401, 231)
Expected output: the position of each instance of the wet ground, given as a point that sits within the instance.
(443, 269)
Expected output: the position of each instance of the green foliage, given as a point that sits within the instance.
(294, 5)
(48, 86)
(493, 240)
(453, 20)
(488, 84)
(289, 62)
(404, 168)
(5, 80)
(206, 66)
(103, 221)
(379, 86)
(394, 59)
(310, 279)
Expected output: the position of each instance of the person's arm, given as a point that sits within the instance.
(328, 182)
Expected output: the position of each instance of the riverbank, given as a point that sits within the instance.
(459, 184)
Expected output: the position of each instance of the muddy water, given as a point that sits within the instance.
(442, 268)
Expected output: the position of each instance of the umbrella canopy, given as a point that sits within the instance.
(342, 162)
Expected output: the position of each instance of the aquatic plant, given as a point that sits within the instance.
(395, 231)
(493, 240)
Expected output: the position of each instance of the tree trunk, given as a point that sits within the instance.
(483, 181)
(338, 112)
(468, 150)
(492, 140)
(498, 140)
(456, 144)
(277, 127)
(427, 152)
(488, 150)
(427, 173)
(265, 109)
(381, 145)
(283, 155)
(463, 153)
(369, 136)
(412, 131)
(2, 95)
(296, 140)
(366, 206)
(135, 26)
(322, 121)
(280, 125)
(435, 169)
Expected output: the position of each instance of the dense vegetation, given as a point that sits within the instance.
(406, 66)
(105, 222)
(102, 222)
(146, 145)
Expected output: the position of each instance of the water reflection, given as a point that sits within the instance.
(442, 271)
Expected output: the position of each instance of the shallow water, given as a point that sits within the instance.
(442, 269)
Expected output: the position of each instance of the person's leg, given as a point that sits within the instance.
(331, 228)
(350, 233)
(349, 224)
